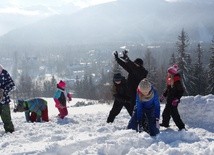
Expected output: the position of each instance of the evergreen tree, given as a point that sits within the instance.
(25, 86)
(15, 66)
(210, 88)
(199, 82)
(49, 87)
(77, 87)
(150, 65)
(91, 89)
(172, 60)
(184, 61)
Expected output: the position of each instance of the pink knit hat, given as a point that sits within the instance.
(61, 84)
(173, 69)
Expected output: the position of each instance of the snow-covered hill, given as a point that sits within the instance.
(85, 131)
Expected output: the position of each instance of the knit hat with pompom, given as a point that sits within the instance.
(173, 69)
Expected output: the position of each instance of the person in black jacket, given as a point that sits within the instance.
(136, 73)
(120, 97)
(173, 93)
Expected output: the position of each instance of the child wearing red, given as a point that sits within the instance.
(60, 98)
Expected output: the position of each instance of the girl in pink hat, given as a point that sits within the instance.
(173, 92)
(60, 98)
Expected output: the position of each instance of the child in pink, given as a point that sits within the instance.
(60, 98)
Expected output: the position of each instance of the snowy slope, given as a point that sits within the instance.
(85, 131)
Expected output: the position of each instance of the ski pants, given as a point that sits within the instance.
(172, 111)
(117, 106)
(6, 117)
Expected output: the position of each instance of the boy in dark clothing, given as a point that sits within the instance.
(121, 98)
(6, 86)
(173, 93)
(136, 73)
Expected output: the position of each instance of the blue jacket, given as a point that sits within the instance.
(152, 104)
(36, 105)
(7, 84)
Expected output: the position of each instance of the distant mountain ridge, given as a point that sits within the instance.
(120, 21)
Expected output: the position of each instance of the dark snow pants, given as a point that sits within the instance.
(148, 123)
(117, 106)
(6, 117)
(169, 111)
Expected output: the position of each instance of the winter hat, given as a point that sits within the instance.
(139, 61)
(61, 84)
(117, 77)
(144, 85)
(20, 107)
(173, 69)
(1, 68)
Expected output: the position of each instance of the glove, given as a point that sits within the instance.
(139, 126)
(157, 123)
(175, 102)
(162, 98)
(1, 94)
(125, 55)
(116, 55)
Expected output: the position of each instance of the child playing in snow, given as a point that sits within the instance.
(6, 86)
(36, 110)
(147, 108)
(173, 93)
(120, 97)
(60, 98)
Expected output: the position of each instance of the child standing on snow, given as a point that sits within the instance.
(60, 98)
(6, 86)
(147, 108)
(120, 97)
(173, 94)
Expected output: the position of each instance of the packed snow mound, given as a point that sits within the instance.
(197, 111)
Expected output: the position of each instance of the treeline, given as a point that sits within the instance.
(196, 69)
(195, 60)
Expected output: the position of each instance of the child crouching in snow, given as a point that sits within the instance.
(60, 98)
(147, 108)
(36, 110)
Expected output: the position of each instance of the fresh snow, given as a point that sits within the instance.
(85, 131)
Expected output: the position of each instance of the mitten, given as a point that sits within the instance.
(175, 102)
(162, 98)
(157, 123)
(116, 55)
(69, 95)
